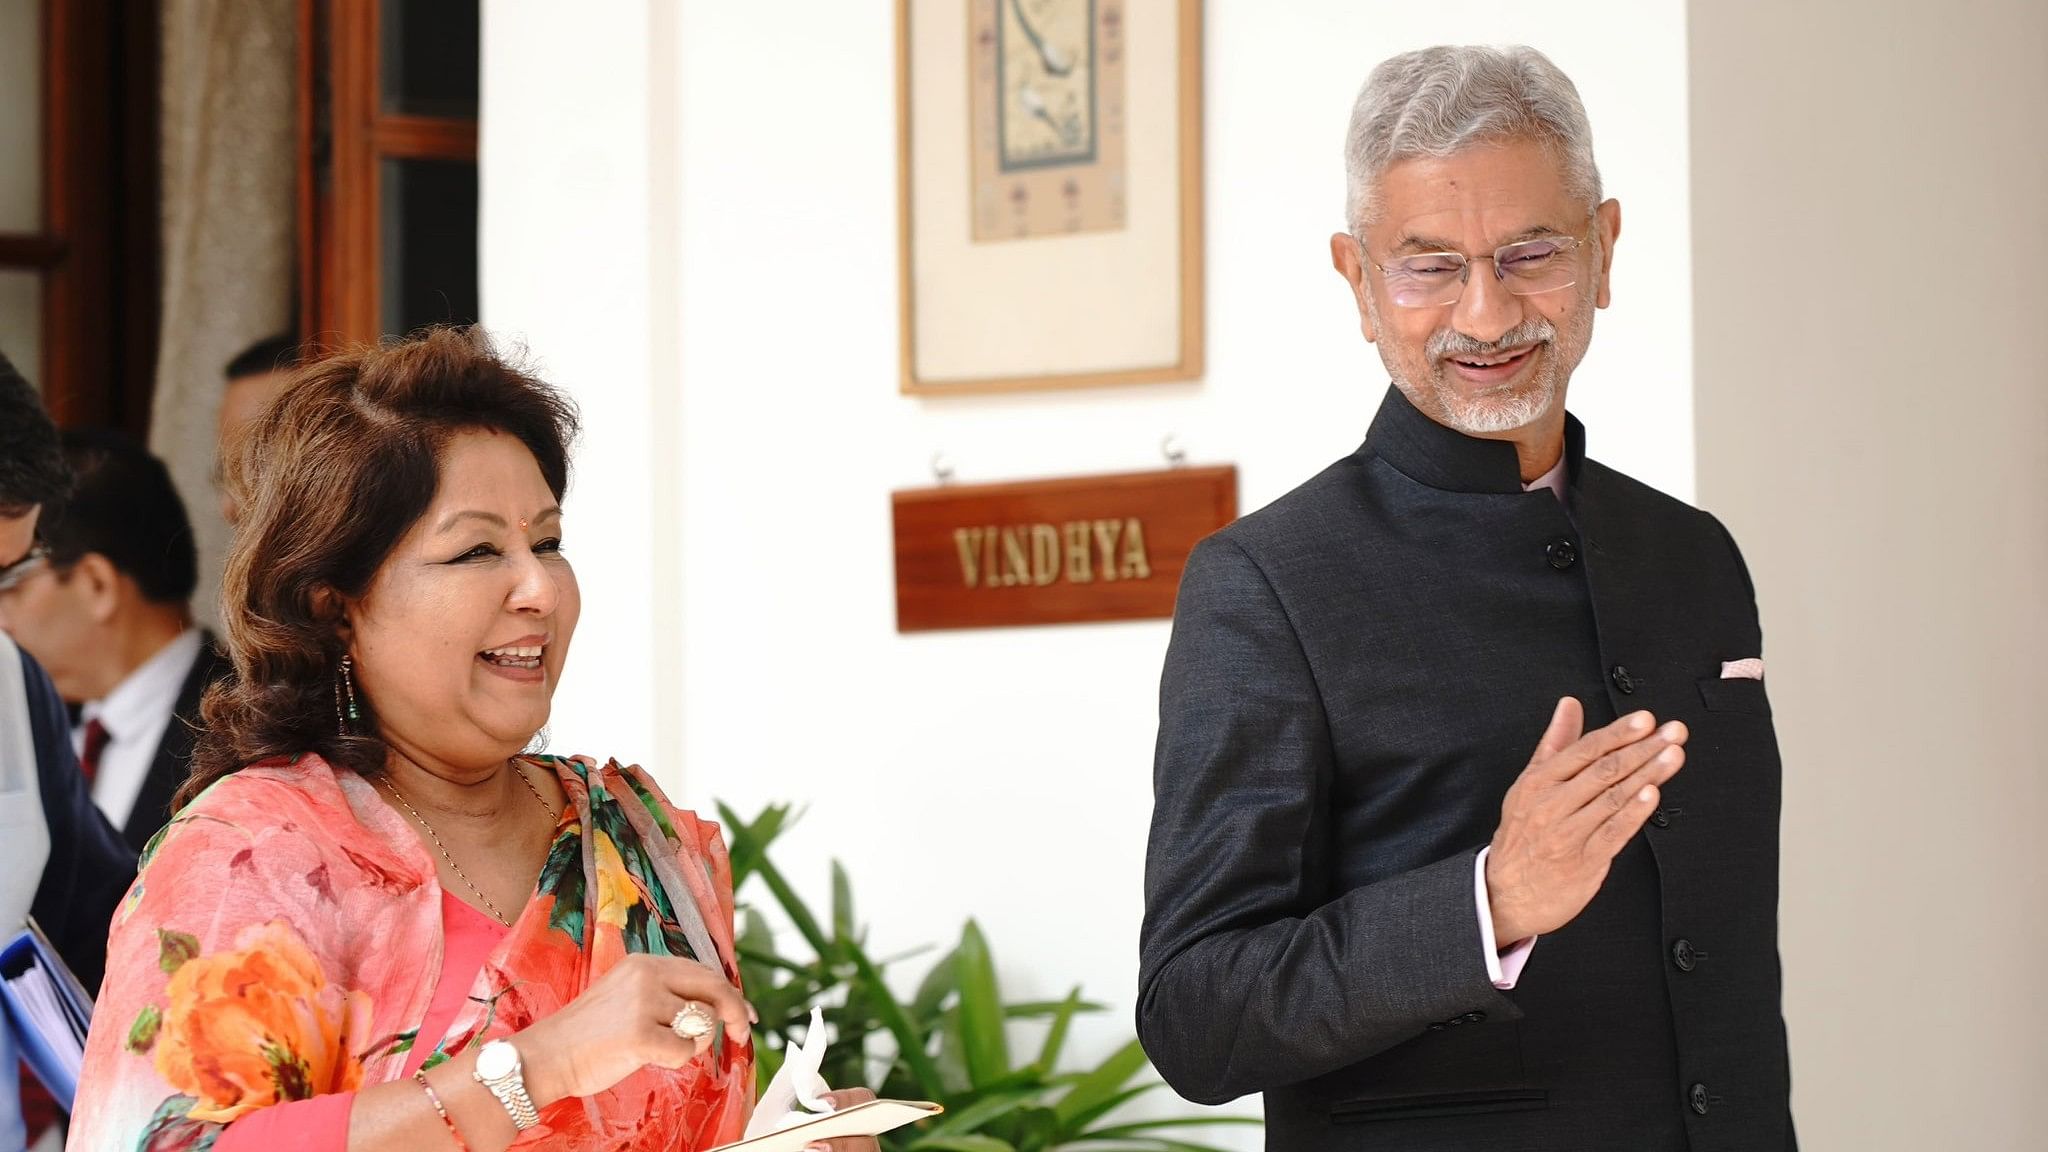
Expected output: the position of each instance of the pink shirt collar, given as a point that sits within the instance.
(1553, 480)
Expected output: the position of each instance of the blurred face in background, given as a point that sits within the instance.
(17, 536)
(245, 399)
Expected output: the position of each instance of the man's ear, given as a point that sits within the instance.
(1609, 221)
(1348, 258)
(99, 583)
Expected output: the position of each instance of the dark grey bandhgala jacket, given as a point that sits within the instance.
(1357, 674)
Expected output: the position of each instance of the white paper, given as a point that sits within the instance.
(870, 1119)
(796, 1084)
(41, 1003)
(793, 1113)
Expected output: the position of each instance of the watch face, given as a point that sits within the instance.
(496, 1061)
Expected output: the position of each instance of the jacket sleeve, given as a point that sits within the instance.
(89, 865)
(1253, 973)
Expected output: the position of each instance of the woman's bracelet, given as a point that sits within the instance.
(434, 1098)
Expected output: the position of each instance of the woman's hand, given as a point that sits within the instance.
(620, 1025)
(847, 1098)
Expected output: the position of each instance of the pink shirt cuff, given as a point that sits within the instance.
(1503, 967)
(316, 1125)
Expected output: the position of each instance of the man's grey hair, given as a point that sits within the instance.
(1438, 101)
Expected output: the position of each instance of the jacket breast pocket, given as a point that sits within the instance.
(1735, 695)
(1439, 1104)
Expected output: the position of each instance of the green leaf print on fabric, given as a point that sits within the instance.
(142, 1033)
(392, 1045)
(171, 1129)
(174, 948)
(562, 877)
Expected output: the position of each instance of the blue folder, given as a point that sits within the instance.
(52, 1048)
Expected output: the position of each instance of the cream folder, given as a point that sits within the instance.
(870, 1119)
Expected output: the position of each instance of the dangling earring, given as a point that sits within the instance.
(345, 683)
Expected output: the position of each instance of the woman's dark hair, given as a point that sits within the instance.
(335, 472)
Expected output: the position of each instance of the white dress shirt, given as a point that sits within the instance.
(136, 714)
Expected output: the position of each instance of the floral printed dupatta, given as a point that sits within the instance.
(283, 939)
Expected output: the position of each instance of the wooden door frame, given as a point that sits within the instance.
(344, 137)
(99, 250)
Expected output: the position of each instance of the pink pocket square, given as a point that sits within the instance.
(1750, 669)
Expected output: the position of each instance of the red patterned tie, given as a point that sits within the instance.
(96, 740)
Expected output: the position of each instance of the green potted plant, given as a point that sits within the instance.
(948, 1043)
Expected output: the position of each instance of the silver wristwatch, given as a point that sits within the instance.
(497, 1068)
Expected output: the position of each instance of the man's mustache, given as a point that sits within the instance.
(1447, 342)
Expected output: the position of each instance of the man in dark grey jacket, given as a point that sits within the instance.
(60, 861)
(1424, 867)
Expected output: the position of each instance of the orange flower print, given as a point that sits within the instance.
(257, 1026)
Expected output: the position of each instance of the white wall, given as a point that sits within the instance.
(1872, 418)
(999, 774)
(571, 159)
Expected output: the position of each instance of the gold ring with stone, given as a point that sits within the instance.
(693, 1021)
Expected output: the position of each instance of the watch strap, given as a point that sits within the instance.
(510, 1089)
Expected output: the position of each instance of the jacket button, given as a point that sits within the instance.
(1699, 1099)
(1659, 819)
(1474, 1017)
(1562, 553)
(1623, 682)
(1682, 954)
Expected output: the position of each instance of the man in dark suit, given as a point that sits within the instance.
(109, 615)
(1424, 867)
(59, 859)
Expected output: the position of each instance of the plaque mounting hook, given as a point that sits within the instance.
(1176, 454)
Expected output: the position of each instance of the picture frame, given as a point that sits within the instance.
(1049, 197)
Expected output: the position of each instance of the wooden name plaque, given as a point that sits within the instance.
(1053, 551)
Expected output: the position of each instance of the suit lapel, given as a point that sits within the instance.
(173, 760)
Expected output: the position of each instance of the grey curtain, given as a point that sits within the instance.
(229, 73)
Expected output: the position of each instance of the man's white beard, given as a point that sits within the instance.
(1505, 412)
(1499, 410)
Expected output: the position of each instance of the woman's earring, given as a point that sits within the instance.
(345, 683)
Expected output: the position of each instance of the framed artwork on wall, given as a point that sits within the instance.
(1049, 193)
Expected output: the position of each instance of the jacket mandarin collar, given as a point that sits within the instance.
(1443, 458)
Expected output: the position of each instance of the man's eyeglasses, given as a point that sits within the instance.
(12, 575)
(1525, 268)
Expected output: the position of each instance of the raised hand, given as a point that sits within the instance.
(1583, 795)
(621, 1024)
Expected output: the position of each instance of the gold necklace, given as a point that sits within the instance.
(443, 848)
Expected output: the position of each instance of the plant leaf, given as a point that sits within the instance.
(1144, 1128)
(770, 960)
(973, 1116)
(1049, 1054)
(1101, 1085)
(982, 1024)
(842, 904)
(793, 906)
(938, 984)
(966, 1143)
(747, 844)
(1080, 1122)
(910, 1042)
(1036, 1009)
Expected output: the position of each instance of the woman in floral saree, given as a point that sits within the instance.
(374, 923)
